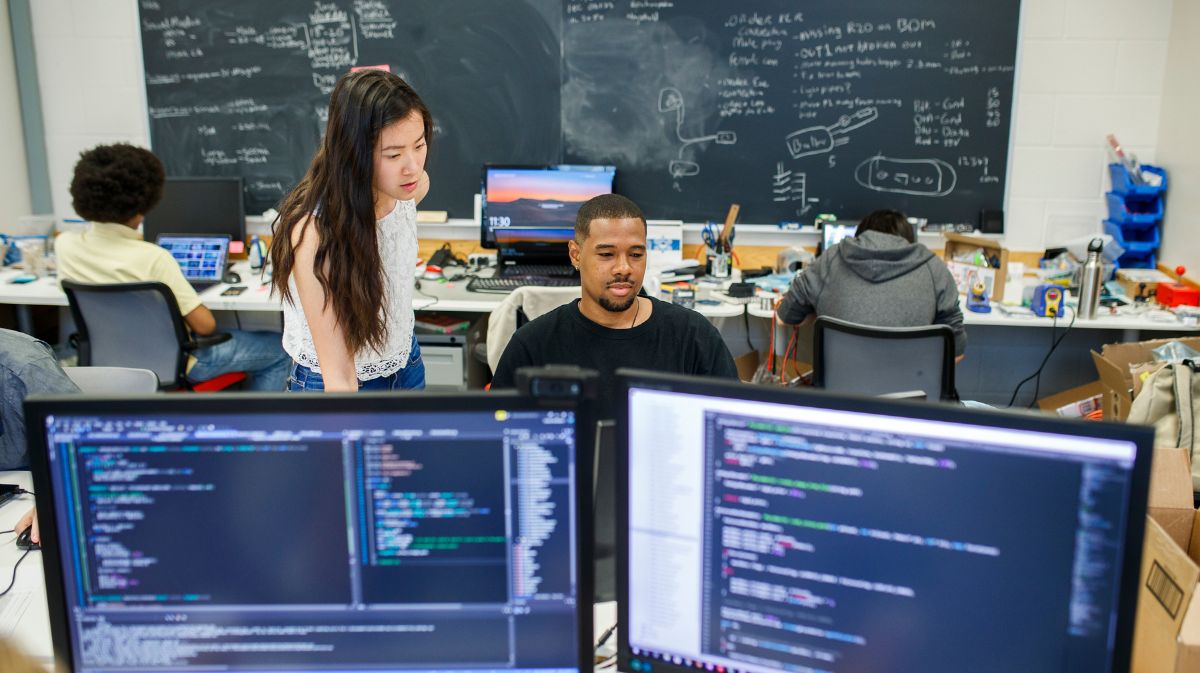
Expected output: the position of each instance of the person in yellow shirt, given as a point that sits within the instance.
(113, 188)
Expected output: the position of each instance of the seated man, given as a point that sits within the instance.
(880, 277)
(114, 186)
(611, 326)
(27, 367)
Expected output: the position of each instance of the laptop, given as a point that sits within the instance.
(832, 233)
(248, 533)
(776, 531)
(201, 257)
(534, 251)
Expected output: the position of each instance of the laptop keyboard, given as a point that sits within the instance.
(552, 270)
(510, 283)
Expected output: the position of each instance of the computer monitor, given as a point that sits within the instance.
(832, 233)
(199, 205)
(537, 196)
(290, 533)
(769, 531)
(201, 258)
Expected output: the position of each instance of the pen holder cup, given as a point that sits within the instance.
(720, 265)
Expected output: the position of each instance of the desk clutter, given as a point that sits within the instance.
(374, 534)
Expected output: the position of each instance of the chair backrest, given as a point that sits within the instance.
(866, 360)
(130, 325)
(113, 379)
(532, 302)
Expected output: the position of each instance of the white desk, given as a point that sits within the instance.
(433, 296)
(28, 595)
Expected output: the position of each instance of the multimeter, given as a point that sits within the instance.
(1047, 301)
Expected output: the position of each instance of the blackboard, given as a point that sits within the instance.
(790, 109)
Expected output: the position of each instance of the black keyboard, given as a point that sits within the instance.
(552, 270)
(506, 285)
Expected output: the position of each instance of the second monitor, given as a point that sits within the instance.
(199, 205)
(537, 196)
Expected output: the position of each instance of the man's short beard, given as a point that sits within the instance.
(614, 307)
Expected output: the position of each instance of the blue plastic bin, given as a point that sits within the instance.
(1136, 241)
(1138, 261)
(1134, 212)
(1124, 185)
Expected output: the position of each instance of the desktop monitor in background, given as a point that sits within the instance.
(832, 233)
(199, 206)
(772, 531)
(273, 533)
(537, 196)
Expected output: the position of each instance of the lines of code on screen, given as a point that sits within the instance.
(830, 549)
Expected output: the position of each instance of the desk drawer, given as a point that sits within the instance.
(443, 366)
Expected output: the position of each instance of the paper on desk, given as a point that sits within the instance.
(12, 608)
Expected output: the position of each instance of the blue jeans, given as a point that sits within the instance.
(259, 354)
(411, 377)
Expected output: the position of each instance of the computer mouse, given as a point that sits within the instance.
(24, 541)
(231, 277)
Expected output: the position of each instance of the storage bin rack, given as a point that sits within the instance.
(1135, 214)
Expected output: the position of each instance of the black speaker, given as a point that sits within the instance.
(991, 221)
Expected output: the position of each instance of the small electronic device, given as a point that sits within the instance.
(1178, 294)
(832, 233)
(233, 291)
(25, 539)
(1047, 301)
(402, 560)
(977, 298)
(754, 522)
(201, 257)
(683, 296)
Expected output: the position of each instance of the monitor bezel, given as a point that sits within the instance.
(1142, 437)
(154, 230)
(489, 242)
(38, 407)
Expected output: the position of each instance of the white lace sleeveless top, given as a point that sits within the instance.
(397, 233)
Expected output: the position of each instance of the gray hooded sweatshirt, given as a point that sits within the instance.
(878, 279)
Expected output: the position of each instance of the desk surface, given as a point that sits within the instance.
(1152, 320)
(24, 619)
(433, 296)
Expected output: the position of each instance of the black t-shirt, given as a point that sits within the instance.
(674, 339)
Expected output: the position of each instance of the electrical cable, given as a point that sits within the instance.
(13, 581)
(1053, 346)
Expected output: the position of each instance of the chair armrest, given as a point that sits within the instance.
(198, 342)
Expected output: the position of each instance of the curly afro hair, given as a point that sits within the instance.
(116, 183)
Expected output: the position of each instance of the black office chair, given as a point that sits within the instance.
(893, 361)
(139, 325)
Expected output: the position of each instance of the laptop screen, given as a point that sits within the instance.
(202, 258)
(269, 534)
(776, 532)
(541, 197)
(832, 234)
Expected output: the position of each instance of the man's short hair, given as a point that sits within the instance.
(607, 207)
(116, 183)
(888, 222)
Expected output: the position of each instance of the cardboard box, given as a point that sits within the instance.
(1166, 637)
(1075, 402)
(992, 277)
(1123, 368)
(1133, 280)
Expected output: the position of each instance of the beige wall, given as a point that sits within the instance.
(14, 180)
(1179, 140)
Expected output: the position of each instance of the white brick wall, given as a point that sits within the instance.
(1179, 140)
(1085, 68)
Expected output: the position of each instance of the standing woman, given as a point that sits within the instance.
(345, 244)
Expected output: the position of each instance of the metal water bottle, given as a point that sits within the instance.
(1090, 280)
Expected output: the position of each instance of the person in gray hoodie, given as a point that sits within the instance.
(880, 277)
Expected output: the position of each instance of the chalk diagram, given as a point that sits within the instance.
(821, 139)
(918, 177)
(788, 186)
(670, 100)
